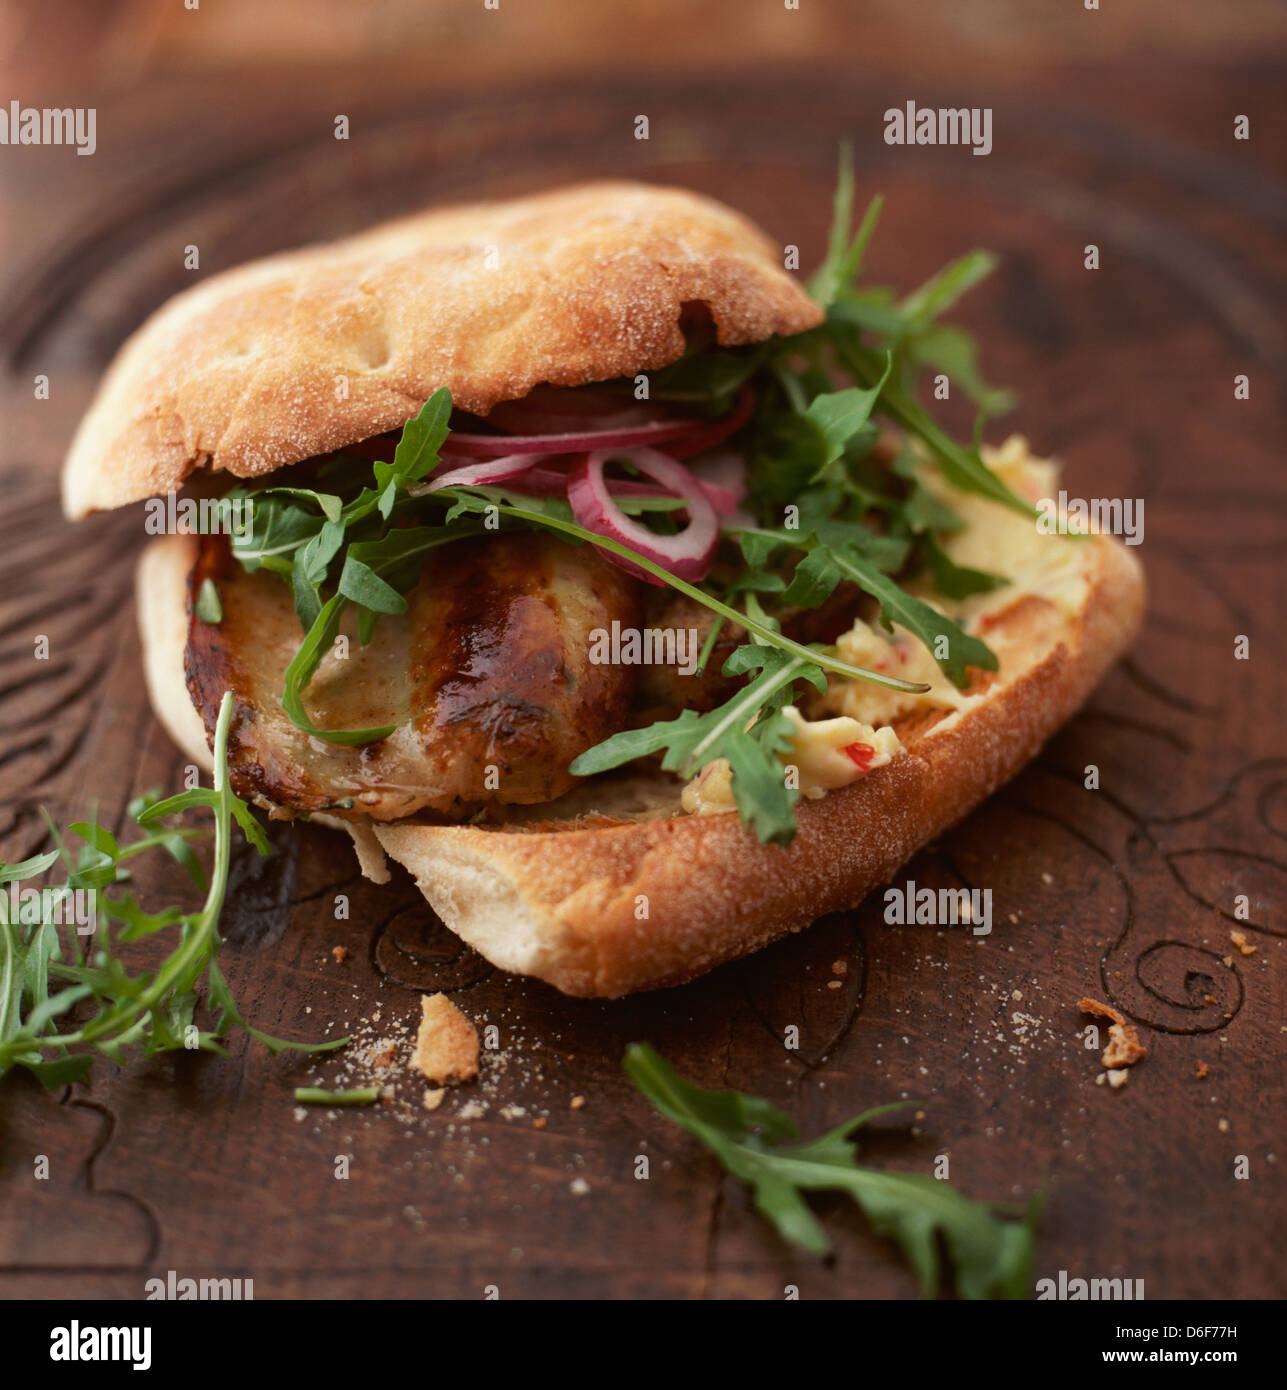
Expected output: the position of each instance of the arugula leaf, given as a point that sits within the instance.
(327, 503)
(278, 527)
(920, 308)
(691, 740)
(208, 606)
(395, 560)
(963, 468)
(959, 581)
(422, 436)
(28, 868)
(843, 260)
(153, 1009)
(952, 351)
(359, 1095)
(746, 730)
(990, 1257)
(825, 566)
(310, 568)
(317, 642)
(839, 415)
(924, 510)
(360, 583)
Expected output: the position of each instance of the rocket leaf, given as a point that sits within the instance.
(988, 1255)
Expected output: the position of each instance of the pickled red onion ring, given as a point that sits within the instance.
(688, 554)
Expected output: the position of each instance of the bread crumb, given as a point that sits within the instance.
(578, 1102)
(1227, 962)
(1117, 1077)
(1201, 1071)
(1124, 1047)
(1223, 1126)
(1093, 1006)
(341, 953)
(1239, 939)
(433, 1099)
(1047, 878)
(384, 1059)
(578, 1187)
(539, 1122)
(835, 984)
(840, 967)
(447, 1043)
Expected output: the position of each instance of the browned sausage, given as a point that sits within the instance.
(486, 677)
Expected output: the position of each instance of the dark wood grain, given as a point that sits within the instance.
(1125, 893)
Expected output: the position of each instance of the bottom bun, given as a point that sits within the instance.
(604, 909)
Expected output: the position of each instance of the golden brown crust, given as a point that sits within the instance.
(565, 905)
(313, 349)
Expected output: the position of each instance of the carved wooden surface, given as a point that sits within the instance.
(1126, 893)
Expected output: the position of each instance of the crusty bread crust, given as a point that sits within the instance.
(307, 351)
(567, 903)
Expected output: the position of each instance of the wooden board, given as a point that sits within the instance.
(1126, 892)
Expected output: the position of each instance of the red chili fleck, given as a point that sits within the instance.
(860, 754)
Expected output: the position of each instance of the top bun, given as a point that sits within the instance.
(310, 350)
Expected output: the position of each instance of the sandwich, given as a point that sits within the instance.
(572, 555)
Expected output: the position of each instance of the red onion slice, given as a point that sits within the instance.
(485, 445)
(688, 554)
(722, 475)
(480, 474)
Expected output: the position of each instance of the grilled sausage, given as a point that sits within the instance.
(487, 678)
